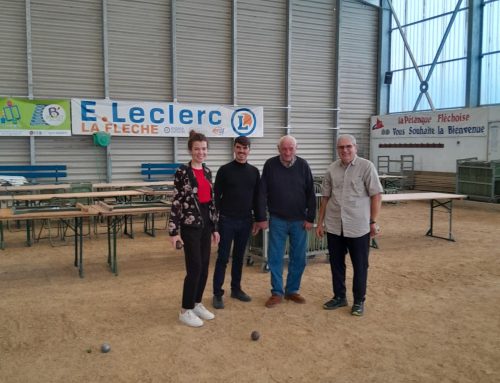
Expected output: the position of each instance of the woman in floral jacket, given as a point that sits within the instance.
(193, 225)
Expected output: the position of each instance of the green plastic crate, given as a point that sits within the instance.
(479, 180)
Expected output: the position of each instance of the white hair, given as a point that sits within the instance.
(348, 136)
(287, 138)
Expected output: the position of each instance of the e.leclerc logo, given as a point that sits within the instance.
(243, 121)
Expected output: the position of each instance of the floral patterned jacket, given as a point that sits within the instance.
(185, 209)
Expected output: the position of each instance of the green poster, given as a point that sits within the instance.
(22, 117)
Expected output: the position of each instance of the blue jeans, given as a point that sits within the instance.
(279, 231)
(234, 231)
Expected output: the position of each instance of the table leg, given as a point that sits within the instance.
(1, 236)
(76, 247)
(450, 236)
(113, 223)
(448, 206)
(128, 220)
(30, 227)
(431, 224)
(109, 240)
(153, 224)
(149, 224)
(114, 269)
(79, 230)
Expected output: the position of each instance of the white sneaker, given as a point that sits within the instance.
(202, 312)
(189, 318)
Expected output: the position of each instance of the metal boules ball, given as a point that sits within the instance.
(105, 347)
(255, 335)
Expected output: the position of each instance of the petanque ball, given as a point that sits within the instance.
(255, 335)
(105, 347)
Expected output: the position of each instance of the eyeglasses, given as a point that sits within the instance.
(342, 147)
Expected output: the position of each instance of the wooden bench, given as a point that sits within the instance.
(164, 170)
(34, 171)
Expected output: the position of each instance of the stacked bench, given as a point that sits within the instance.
(157, 172)
(31, 172)
(34, 171)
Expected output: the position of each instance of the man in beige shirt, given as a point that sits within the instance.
(349, 209)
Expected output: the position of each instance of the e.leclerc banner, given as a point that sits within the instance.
(151, 119)
(22, 117)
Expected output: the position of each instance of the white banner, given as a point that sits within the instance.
(460, 123)
(154, 119)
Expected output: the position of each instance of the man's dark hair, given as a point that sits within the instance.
(242, 140)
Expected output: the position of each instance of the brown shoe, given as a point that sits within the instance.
(274, 300)
(295, 297)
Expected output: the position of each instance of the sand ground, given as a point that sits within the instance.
(432, 312)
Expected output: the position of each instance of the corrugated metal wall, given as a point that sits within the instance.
(67, 48)
(85, 161)
(14, 151)
(69, 61)
(139, 49)
(204, 63)
(140, 69)
(128, 153)
(261, 60)
(13, 65)
(358, 71)
(13, 74)
(313, 81)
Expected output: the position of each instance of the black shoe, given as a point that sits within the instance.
(240, 295)
(358, 308)
(335, 303)
(218, 302)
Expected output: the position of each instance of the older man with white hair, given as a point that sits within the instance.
(287, 190)
(349, 209)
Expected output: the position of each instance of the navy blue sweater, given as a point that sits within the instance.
(287, 192)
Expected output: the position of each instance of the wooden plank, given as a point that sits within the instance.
(435, 181)
(120, 185)
(104, 206)
(45, 197)
(8, 214)
(420, 196)
(135, 211)
(34, 188)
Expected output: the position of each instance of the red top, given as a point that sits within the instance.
(204, 189)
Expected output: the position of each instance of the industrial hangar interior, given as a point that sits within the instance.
(97, 98)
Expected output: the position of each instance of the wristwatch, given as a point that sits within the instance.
(372, 221)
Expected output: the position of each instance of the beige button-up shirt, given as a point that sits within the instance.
(350, 188)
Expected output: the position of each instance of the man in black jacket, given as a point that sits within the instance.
(287, 190)
(236, 188)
